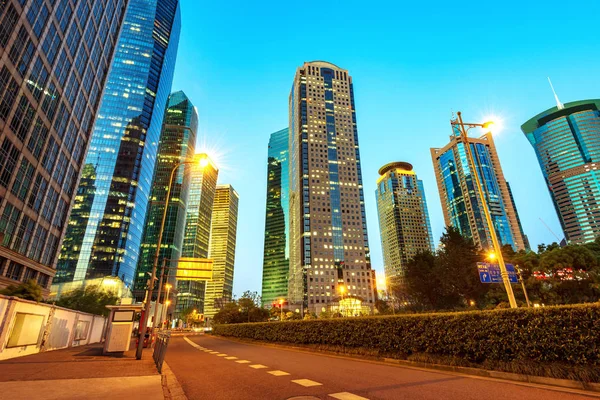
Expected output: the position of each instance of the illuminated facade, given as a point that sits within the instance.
(223, 234)
(54, 58)
(403, 219)
(461, 203)
(203, 184)
(177, 142)
(276, 261)
(566, 140)
(105, 228)
(329, 246)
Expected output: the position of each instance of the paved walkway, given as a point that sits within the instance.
(80, 373)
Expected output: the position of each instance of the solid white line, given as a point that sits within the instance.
(278, 373)
(346, 396)
(258, 366)
(306, 382)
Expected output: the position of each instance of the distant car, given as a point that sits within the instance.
(208, 329)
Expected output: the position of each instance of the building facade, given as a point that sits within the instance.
(54, 58)
(403, 220)
(177, 143)
(276, 262)
(329, 246)
(106, 225)
(458, 193)
(566, 140)
(196, 240)
(223, 236)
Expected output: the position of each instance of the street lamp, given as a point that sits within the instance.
(281, 308)
(168, 286)
(497, 251)
(342, 290)
(202, 162)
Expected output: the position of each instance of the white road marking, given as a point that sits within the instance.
(214, 352)
(243, 362)
(347, 396)
(278, 373)
(231, 358)
(306, 382)
(258, 366)
(221, 355)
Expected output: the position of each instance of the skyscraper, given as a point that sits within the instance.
(329, 246)
(223, 234)
(460, 203)
(403, 219)
(177, 143)
(54, 58)
(566, 140)
(276, 261)
(196, 239)
(123, 148)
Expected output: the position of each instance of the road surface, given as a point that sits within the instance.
(219, 369)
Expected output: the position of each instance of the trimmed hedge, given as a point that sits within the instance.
(564, 334)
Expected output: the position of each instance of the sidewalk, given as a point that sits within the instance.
(80, 373)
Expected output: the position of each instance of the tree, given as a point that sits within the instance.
(246, 309)
(29, 290)
(91, 299)
(383, 307)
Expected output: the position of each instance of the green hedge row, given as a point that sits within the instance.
(568, 334)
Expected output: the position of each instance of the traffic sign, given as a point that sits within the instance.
(490, 273)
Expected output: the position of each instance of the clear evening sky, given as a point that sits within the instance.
(412, 64)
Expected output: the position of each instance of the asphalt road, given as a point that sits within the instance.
(213, 368)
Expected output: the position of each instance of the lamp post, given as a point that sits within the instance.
(202, 162)
(463, 128)
(167, 301)
(281, 309)
(342, 290)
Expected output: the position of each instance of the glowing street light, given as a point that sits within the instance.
(281, 301)
(463, 128)
(202, 161)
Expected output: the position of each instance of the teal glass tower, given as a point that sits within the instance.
(461, 204)
(276, 261)
(177, 142)
(566, 140)
(106, 225)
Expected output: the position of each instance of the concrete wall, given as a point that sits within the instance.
(27, 327)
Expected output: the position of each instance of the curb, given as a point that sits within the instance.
(172, 390)
(586, 388)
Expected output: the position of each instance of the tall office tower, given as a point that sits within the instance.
(403, 220)
(430, 233)
(276, 262)
(461, 206)
(566, 140)
(223, 234)
(106, 225)
(54, 58)
(199, 214)
(329, 247)
(177, 142)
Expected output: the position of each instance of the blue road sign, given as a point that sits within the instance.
(490, 273)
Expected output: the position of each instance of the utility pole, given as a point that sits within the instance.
(518, 270)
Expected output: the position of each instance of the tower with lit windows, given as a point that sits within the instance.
(329, 246)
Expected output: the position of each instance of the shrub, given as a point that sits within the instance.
(569, 335)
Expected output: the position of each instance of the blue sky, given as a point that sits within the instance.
(412, 65)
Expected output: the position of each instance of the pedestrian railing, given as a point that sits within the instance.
(160, 348)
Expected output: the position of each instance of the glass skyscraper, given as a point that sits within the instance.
(54, 58)
(199, 214)
(329, 245)
(276, 261)
(105, 229)
(566, 140)
(223, 236)
(403, 220)
(177, 143)
(461, 203)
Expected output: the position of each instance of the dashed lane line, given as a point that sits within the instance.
(306, 382)
(222, 355)
(278, 373)
(214, 352)
(346, 396)
(231, 358)
(243, 362)
(258, 366)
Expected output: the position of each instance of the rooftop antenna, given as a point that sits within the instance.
(559, 105)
